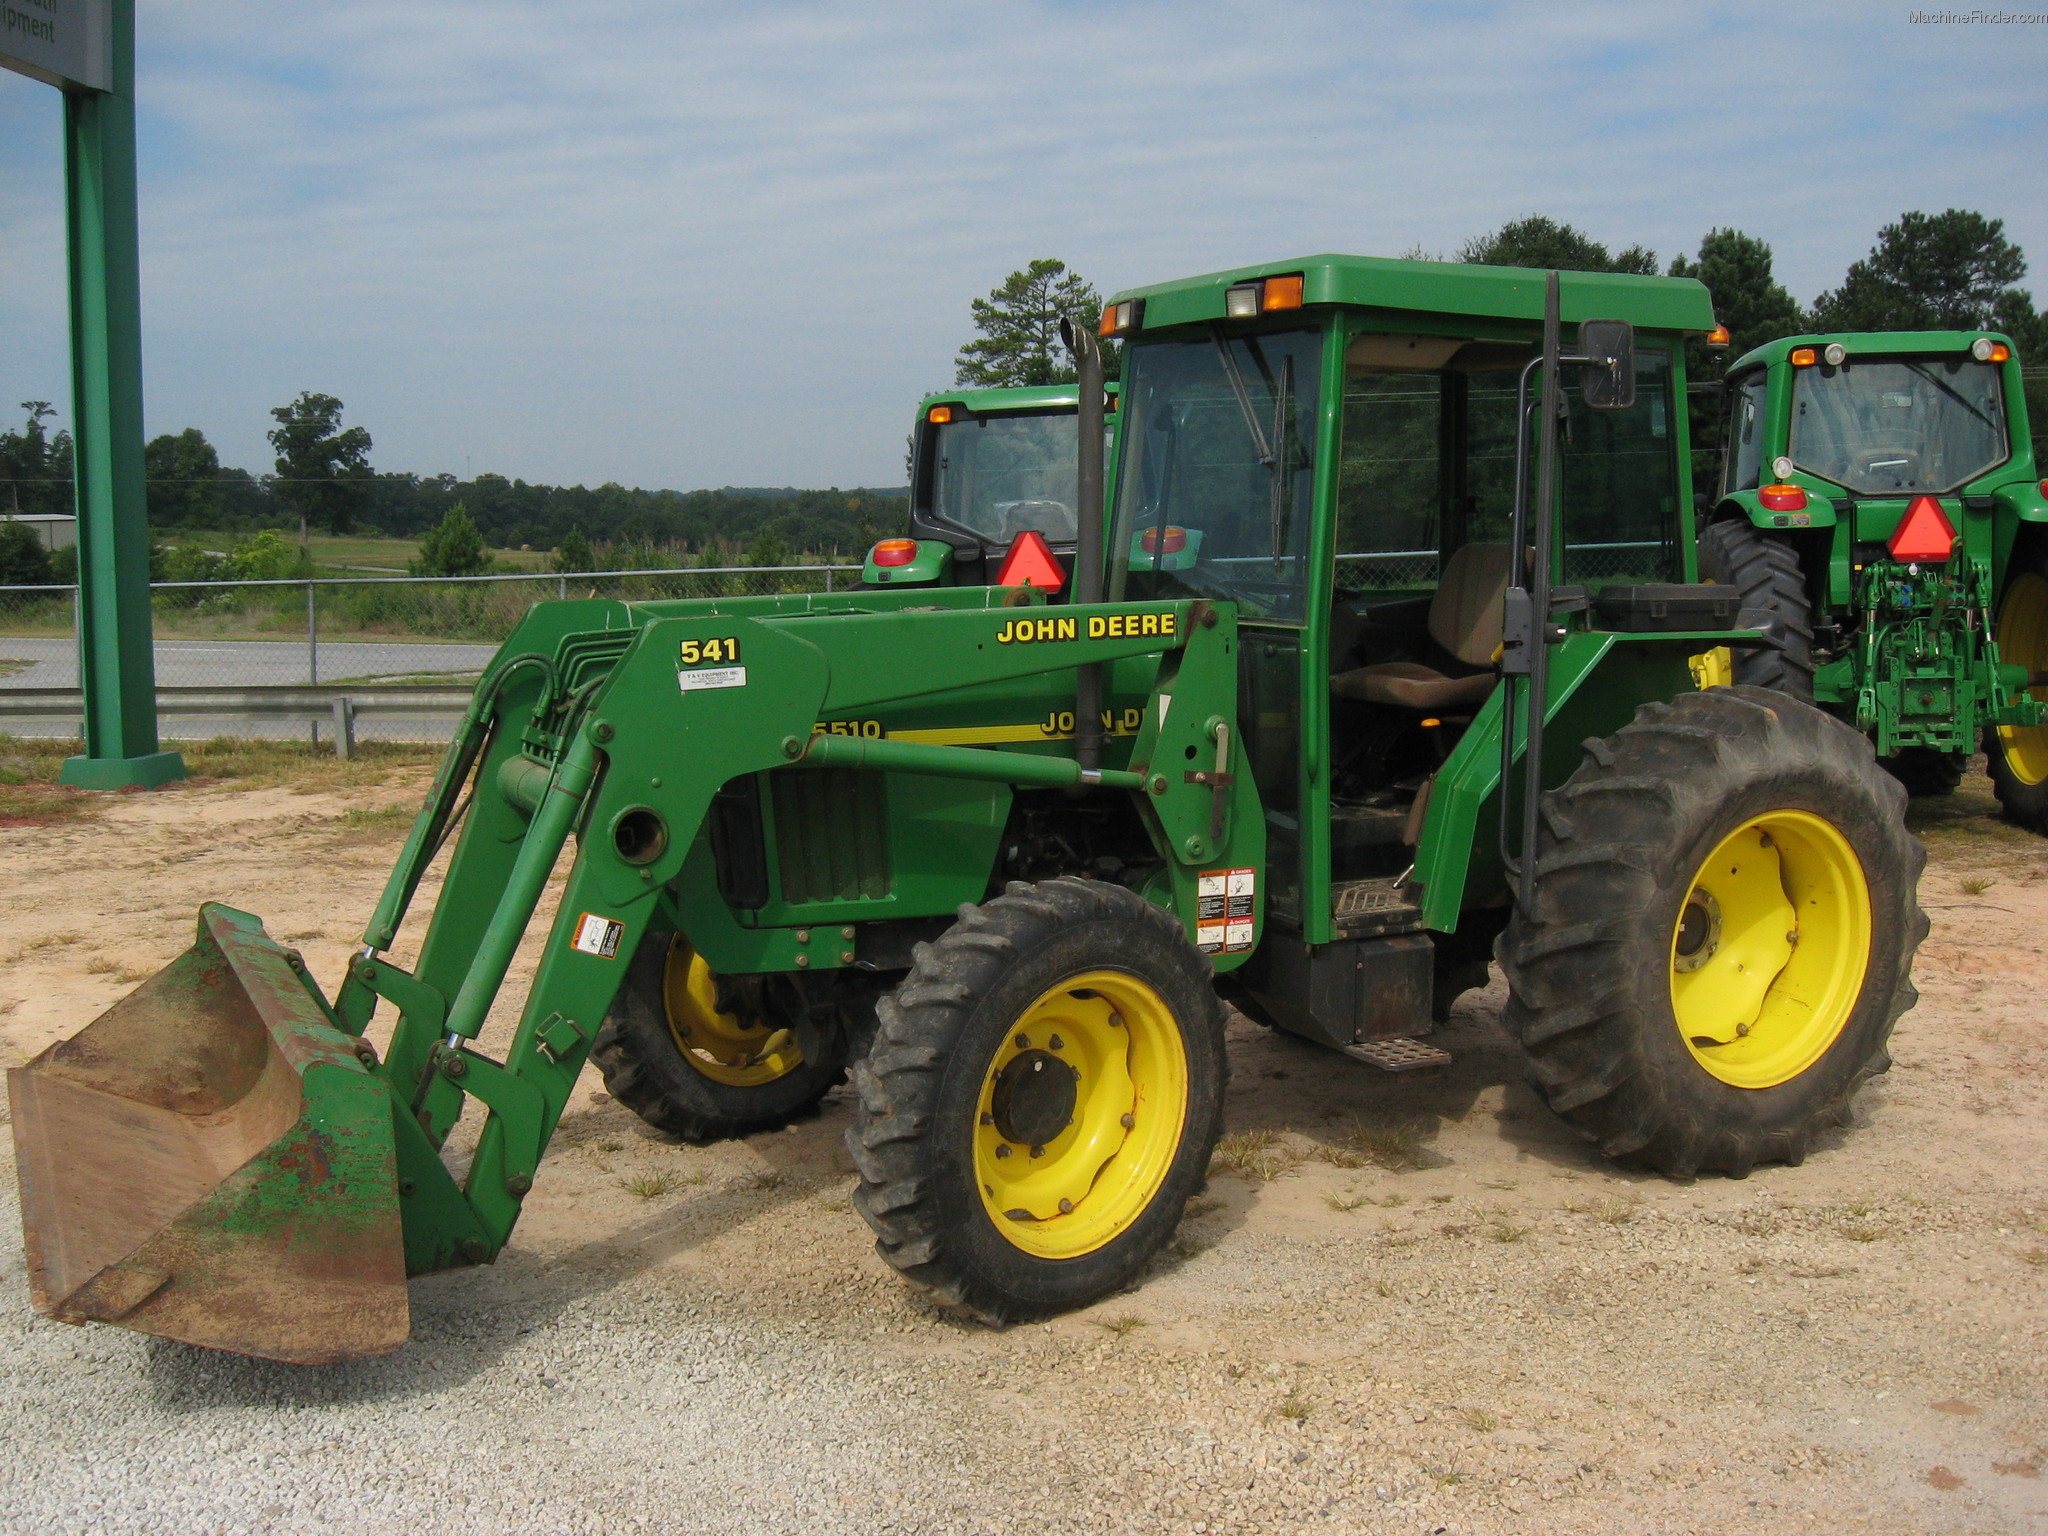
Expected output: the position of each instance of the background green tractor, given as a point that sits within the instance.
(1384, 533)
(985, 466)
(1880, 504)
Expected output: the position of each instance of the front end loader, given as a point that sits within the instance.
(1384, 534)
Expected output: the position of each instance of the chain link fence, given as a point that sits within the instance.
(335, 633)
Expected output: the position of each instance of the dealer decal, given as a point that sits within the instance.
(712, 663)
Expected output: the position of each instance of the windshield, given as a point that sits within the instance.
(1214, 496)
(1898, 426)
(997, 476)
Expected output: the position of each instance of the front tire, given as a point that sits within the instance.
(1767, 574)
(1723, 933)
(706, 1058)
(1041, 1101)
(2017, 755)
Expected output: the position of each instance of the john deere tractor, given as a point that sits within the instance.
(1881, 511)
(987, 466)
(1389, 657)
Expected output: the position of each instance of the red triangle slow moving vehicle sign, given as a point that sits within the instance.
(1924, 534)
(1031, 563)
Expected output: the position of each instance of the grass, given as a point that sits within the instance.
(1295, 1408)
(647, 1186)
(1481, 1419)
(1123, 1323)
(120, 970)
(31, 796)
(1350, 1202)
(1390, 1144)
(1506, 1232)
(1862, 1231)
(10, 665)
(1975, 885)
(1257, 1155)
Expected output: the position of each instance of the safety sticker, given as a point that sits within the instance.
(712, 677)
(1225, 918)
(598, 936)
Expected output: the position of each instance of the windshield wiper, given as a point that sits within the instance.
(1951, 393)
(1243, 397)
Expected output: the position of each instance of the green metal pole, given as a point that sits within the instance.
(116, 667)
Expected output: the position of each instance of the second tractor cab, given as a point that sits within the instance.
(1880, 503)
(987, 465)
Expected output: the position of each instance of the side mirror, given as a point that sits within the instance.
(1607, 371)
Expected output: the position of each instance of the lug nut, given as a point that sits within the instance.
(988, 1119)
(1127, 1120)
(1023, 1042)
(1741, 1030)
(1003, 1150)
(1116, 1021)
(1056, 1043)
(1038, 1151)
(1066, 1207)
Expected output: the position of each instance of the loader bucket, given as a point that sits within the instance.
(209, 1161)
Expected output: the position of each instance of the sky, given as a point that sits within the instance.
(673, 244)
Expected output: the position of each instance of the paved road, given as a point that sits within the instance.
(53, 661)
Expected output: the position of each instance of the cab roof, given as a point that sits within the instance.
(994, 402)
(1442, 288)
(1771, 353)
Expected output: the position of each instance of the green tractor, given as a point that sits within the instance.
(986, 465)
(1388, 657)
(1881, 512)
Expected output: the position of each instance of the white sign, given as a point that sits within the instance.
(59, 42)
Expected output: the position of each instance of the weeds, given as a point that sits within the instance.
(1481, 1419)
(1123, 1323)
(1256, 1155)
(1393, 1146)
(1976, 885)
(1295, 1408)
(1349, 1202)
(647, 1186)
(1504, 1232)
(1862, 1231)
(120, 970)
(2038, 1257)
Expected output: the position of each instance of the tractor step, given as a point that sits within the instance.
(1399, 1053)
(1361, 909)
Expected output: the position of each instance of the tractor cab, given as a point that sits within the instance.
(987, 466)
(1332, 447)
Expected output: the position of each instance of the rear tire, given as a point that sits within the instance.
(2017, 755)
(647, 1068)
(1767, 574)
(1042, 1099)
(1717, 840)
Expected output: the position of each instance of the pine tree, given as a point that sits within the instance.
(454, 548)
(1543, 242)
(1019, 324)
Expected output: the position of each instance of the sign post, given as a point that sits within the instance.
(87, 49)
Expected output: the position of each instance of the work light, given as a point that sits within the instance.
(1835, 355)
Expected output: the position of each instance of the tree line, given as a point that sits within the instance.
(1955, 270)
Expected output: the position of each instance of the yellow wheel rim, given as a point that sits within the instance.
(739, 1052)
(2023, 641)
(1095, 1069)
(1770, 948)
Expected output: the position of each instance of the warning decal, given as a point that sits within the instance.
(1225, 920)
(598, 936)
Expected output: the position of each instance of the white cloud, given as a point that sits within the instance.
(685, 244)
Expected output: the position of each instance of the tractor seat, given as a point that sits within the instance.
(1465, 619)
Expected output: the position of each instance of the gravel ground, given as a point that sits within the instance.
(1403, 1306)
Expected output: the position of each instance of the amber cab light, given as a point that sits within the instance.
(1282, 292)
(1118, 319)
(894, 551)
(1169, 540)
(1782, 498)
(1805, 357)
(1924, 534)
(2000, 352)
(939, 415)
(1718, 336)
